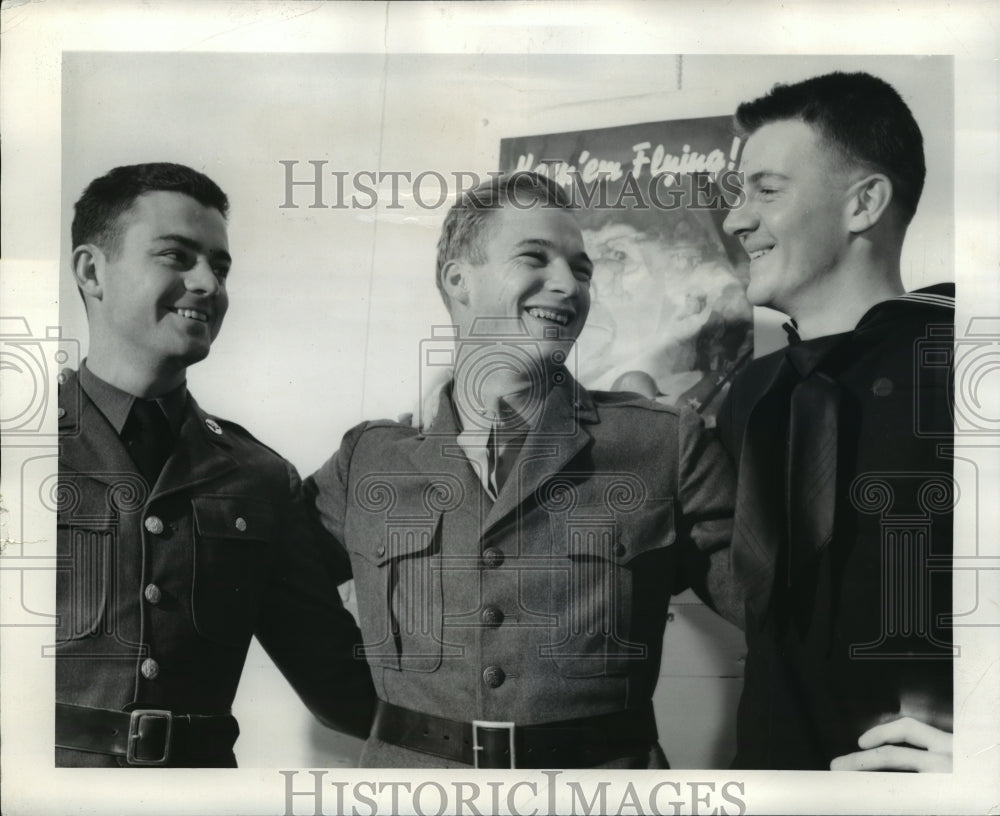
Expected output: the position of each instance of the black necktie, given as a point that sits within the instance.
(149, 438)
(811, 484)
(758, 525)
(789, 499)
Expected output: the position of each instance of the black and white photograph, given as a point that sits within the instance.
(499, 407)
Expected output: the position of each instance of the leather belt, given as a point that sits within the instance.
(579, 743)
(148, 736)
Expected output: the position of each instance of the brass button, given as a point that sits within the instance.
(150, 669)
(61, 413)
(492, 616)
(492, 557)
(380, 551)
(154, 524)
(619, 549)
(241, 524)
(152, 594)
(494, 676)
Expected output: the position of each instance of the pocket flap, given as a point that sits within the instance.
(236, 517)
(396, 539)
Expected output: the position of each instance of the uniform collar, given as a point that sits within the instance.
(941, 295)
(573, 400)
(807, 355)
(513, 417)
(116, 404)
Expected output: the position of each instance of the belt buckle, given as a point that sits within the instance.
(135, 717)
(477, 748)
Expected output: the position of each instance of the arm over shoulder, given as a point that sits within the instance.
(304, 626)
(326, 490)
(706, 494)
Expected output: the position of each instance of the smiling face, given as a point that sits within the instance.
(161, 290)
(794, 224)
(537, 272)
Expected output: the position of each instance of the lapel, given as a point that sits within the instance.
(436, 450)
(199, 454)
(561, 434)
(770, 382)
(88, 445)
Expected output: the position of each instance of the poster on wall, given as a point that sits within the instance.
(669, 317)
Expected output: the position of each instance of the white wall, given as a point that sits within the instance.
(328, 307)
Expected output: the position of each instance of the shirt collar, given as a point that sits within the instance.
(515, 418)
(474, 433)
(116, 404)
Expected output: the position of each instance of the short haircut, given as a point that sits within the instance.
(863, 116)
(466, 221)
(97, 217)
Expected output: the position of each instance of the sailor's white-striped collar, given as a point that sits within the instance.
(929, 298)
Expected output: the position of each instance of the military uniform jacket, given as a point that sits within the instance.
(550, 603)
(874, 641)
(160, 590)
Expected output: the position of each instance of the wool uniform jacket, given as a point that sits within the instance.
(160, 590)
(872, 641)
(548, 604)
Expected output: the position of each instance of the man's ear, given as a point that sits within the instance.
(87, 263)
(869, 199)
(455, 280)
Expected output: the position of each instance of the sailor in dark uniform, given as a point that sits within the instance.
(842, 543)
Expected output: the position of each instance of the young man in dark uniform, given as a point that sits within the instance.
(180, 535)
(842, 540)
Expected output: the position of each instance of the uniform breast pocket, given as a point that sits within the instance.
(397, 576)
(235, 555)
(611, 592)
